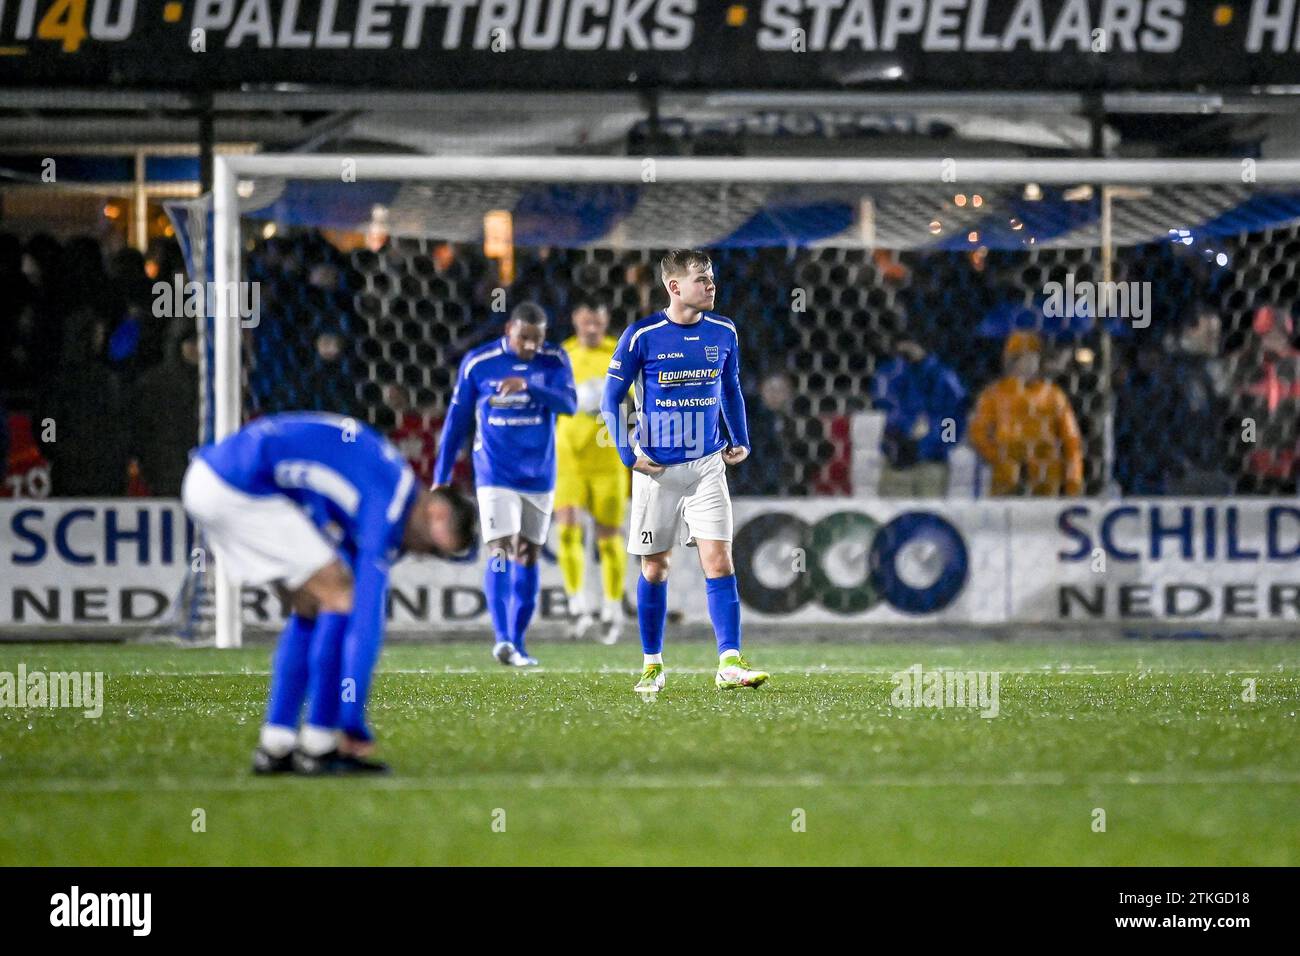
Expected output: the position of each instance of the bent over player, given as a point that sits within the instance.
(320, 506)
(684, 364)
(510, 390)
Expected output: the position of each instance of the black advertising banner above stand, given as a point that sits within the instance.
(1030, 45)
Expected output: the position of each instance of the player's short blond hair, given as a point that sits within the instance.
(679, 262)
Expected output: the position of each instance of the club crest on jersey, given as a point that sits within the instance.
(711, 353)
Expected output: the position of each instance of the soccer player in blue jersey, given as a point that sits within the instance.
(510, 391)
(320, 506)
(684, 366)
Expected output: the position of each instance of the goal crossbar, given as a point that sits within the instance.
(574, 169)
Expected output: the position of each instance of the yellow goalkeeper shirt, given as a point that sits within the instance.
(576, 435)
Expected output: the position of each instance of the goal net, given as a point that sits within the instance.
(1135, 285)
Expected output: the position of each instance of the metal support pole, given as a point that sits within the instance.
(227, 372)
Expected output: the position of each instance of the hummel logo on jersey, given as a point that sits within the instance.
(692, 338)
(519, 368)
(711, 353)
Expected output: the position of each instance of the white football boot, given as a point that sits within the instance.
(735, 672)
(521, 660)
(581, 620)
(611, 622)
(652, 679)
(582, 626)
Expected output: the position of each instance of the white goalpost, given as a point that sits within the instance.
(232, 170)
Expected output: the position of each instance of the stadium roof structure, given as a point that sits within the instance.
(734, 122)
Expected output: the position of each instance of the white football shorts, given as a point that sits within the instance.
(258, 539)
(504, 512)
(685, 502)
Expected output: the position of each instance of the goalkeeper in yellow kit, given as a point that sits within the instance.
(590, 478)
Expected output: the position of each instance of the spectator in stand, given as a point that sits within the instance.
(28, 470)
(791, 445)
(21, 364)
(832, 473)
(772, 431)
(162, 261)
(138, 339)
(88, 453)
(925, 415)
(330, 385)
(415, 430)
(1024, 428)
(42, 265)
(1267, 387)
(131, 284)
(1144, 403)
(641, 278)
(324, 287)
(164, 417)
(1178, 380)
(83, 292)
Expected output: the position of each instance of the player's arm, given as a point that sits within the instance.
(381, 509)
(362, 639)
(558, 393)
(885, 397)
(981, 425)
(456, 427)
(623, 369)
(733, 410)
(947, 402)
(1071, 439)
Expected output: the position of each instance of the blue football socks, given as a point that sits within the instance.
(525, 583)
(724, 611)
(651, 613)
(289, 673)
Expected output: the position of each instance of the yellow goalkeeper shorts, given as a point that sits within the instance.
(600, 492)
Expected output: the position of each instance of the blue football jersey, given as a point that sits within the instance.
(514, 441)
(686, 385)
(352, 483)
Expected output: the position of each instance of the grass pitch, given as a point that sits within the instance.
(565, 765)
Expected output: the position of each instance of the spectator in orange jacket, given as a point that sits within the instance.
(1024, 428)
